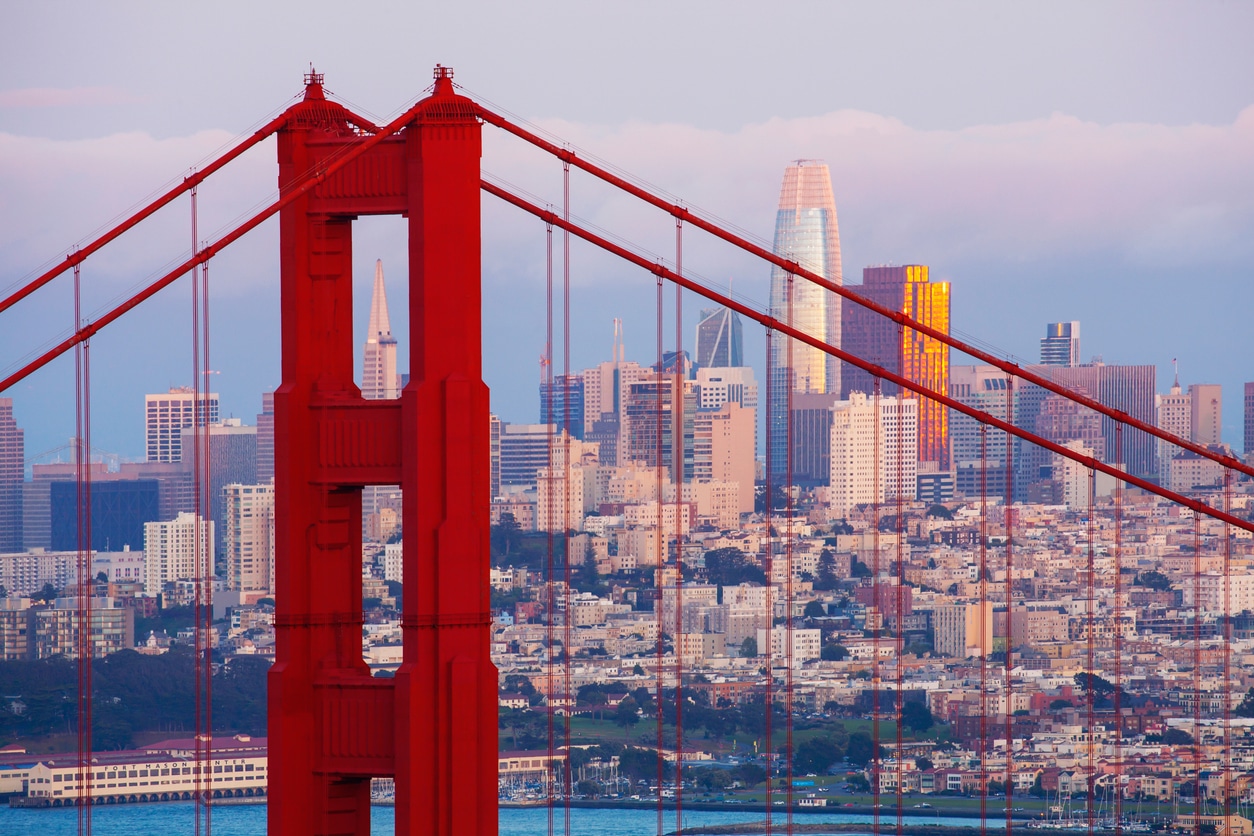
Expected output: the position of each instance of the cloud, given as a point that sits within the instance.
(66, 97)
(1053, 217)
(1144, 193)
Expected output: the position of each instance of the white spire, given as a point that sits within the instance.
(378, 378)
(380, 326)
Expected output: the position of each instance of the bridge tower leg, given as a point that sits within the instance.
(332, 725)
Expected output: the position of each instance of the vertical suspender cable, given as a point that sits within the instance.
(1227, 645)
(1091, 619)
(1197, 673)
(207, 547)
(1010, 633)
(899, 452)
(85, 626)
(550, 680)
(82, 461)
(1117, 697)
(202, 752)
(788, 590)
(785, 375)
(678, 452)
(877, 488)
(567, 467)
(659, 574)
(984, 627)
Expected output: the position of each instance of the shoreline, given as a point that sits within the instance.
(760, 807)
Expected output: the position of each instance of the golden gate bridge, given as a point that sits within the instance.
(433, 728)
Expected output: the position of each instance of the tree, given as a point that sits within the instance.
(923, 763)
(1055, 705)
(1177, 737)
(749, 647)
(1100, 687)
(1153, 580)
(641, 764)
(827, 579)
(859, 783)
(858, 569)
(627, 713)
(842, 527)
(861, 749)
(749, 774)
(833, 652)
(712, 779)
(814, 609)
(520, 683)
(817, 754)
(636, 670)
(917, 716)
(729, 566)
(941, 512)
(1246, 708)
(506, 535)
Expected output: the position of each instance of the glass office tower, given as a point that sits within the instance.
(806, 232)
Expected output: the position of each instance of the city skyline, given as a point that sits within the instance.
(1026, 168)
(1090, 191)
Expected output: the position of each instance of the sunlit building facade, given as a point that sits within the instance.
(806, 231)
(919, 358)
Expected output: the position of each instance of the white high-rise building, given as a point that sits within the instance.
(874, 457)
(378, 377)
(1175, 415)
(249, 537)
(379, 381)
(166, 416)
(171, 553)
(730, 384)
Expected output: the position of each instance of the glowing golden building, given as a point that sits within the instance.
(916, 357)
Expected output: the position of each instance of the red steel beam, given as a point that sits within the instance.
(86, 332)
(684, 214)
(774, 324)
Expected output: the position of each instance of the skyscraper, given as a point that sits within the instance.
(562, 401)
(720, 341)
(378, 376)
(1175, 415)
(12, 459)
(872, 451)
(249, 537)
(806, 231)
(918, 358)
(265, 439)
(379, 380)
(171, 552)
(232, 449)
(650, 419)
(1207, 406)
(979, 455)
(1127, 388)
(166, 416)
(1061, 345)
(722, 451)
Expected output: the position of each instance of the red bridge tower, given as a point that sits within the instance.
(332, 725)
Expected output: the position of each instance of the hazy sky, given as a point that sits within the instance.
(1054, 161)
